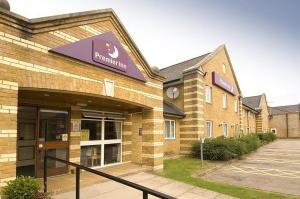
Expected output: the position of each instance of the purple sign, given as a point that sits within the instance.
(223, 83)
(103, 51)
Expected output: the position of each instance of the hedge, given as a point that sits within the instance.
(222, 148)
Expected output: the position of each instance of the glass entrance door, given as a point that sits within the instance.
(53, 137)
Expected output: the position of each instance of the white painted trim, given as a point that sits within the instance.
(174, 130)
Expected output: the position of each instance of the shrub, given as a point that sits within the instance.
(220, 149)
(251, 141)
(267, 137)
(21, 187)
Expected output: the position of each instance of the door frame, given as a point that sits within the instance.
(51, 144)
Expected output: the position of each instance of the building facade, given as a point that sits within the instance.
(77, 86)
(249, 120)
(255, 114)
(206, 91)
(285, 121)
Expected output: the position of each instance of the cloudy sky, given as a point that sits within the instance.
(262, 36)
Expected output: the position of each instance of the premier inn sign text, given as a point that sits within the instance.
(107, 53)
(103, 51)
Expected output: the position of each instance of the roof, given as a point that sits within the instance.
(171, 109)
(175, 72)
(252, 102)
(284, 109)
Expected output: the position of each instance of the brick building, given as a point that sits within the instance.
(255, 114)
(202, 99)
(285, 121)
(77, 86)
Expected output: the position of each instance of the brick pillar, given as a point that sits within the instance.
(8, 130)
(153, 138)
(127, 139)
(74, 151)
(192, 126)
(240, 114)
(258, 121)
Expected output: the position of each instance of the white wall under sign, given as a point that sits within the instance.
(109, 88)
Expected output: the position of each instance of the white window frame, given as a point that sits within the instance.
(236, 106)
(174, 129)
(208, 94)
(224, 100)
(103, 142)
(210, 132)
(274, 129)
(226, 133)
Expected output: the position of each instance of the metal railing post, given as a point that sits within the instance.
(145, 195)
(45, 171)
(77, 183)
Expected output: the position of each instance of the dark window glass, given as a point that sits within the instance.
(91, 129)
(53, 124)
(112, 130)
(90, 156)
(112, 153)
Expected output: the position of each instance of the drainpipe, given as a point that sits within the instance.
(287, 124)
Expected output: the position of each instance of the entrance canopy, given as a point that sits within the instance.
(50, 99)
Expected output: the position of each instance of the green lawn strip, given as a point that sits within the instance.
(183, 169)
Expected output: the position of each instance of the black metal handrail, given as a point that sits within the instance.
(146, 191)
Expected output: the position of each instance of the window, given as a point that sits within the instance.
(208, 94)
(100, 142)
(235, 106)
(225, 129)
(169, 129)
(273, 130)
(224, 101)
(224, 68)
(209, 129)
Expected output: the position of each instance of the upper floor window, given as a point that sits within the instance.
(224, 68)
(169, 129)
(209, 128)
(235, 106)
(224, 100)
(225, 129)
(208, 94)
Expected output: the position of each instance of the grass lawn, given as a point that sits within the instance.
(184, 170)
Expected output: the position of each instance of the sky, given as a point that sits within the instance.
(262, 36)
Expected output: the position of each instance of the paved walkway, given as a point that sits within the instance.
(66, 182)
(113, 190)
(274, 167)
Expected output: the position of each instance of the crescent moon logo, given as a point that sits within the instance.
(115, 52)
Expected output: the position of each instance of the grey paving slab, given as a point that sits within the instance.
(113, 190)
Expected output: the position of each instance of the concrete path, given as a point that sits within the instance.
(274, 167)
(113, 190)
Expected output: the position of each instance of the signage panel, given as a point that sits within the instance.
(223, 83)
(103, 51)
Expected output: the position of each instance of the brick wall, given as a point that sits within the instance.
(214, 111)
(284, 128)
(8, 130)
